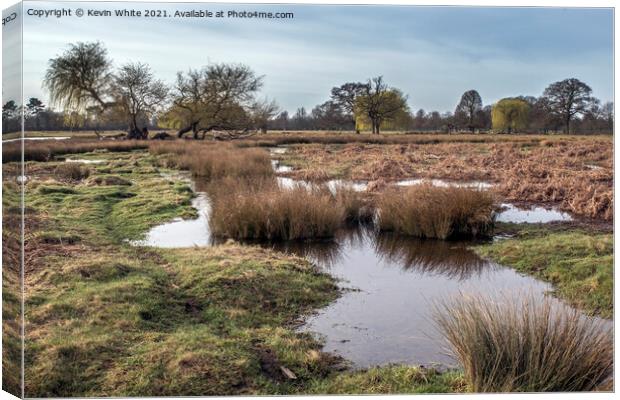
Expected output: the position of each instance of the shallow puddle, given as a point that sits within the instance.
(277, 167)
(181, 233)
(278, 150)
(332, 185)
(85, 161)
(443, 183)
(532, 215)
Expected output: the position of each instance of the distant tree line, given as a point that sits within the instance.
(566, 106)
(221, 100)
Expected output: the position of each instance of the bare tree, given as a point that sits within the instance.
(211, 98)
(470, 104)
(380, 103)
(568, 98)
(139, 95)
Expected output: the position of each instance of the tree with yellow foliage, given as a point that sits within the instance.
(510, 115)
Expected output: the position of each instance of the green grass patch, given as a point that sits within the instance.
(578, 264)
(395, 379)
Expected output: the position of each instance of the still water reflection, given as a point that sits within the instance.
(385, 314)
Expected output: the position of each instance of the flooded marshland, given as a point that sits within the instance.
(389, 283)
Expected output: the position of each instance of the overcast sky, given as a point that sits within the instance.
(433, 54)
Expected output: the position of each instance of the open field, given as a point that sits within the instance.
(223, 319)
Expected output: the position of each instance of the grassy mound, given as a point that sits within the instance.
(578, 264)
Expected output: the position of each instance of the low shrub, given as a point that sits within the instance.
(527, 345)
(428, 211)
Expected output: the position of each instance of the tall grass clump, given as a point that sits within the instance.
(71, 172)
(527, 345)
(215, 160)
(427, 211)
(266, 211)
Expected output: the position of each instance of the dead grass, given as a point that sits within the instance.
(45, 150)
(280, 138)
(526, 345)
(427, 211)
(573, 172)
(358, 208)
(214, 160)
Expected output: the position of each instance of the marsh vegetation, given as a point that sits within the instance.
(523, 344)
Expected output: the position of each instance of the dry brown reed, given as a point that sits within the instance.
(575, 173)
(428, 211)
(268, 212)
(526, 345)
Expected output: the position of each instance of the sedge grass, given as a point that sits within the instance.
(526, 345)
(427, 211)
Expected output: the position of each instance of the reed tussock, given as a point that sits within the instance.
(428, 211)
(268, 212)
(527, 345)
(214, 160)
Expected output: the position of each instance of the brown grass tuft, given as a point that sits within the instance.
(427, 211)
(357, 207)
(525, 345)
(268, 212)
(71, 172)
